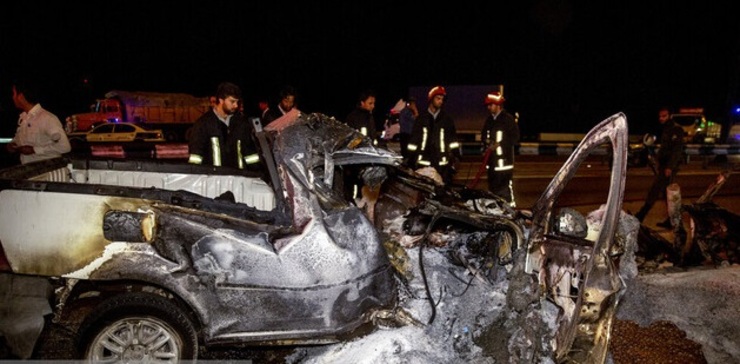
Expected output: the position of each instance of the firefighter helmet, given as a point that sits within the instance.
(494, 97)
(436, 90)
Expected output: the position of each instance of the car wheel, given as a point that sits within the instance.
(171, 136)
(138, 327)
(75, 140)
(188, 134)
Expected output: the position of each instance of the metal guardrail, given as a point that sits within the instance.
(179, 150)
(712, 149)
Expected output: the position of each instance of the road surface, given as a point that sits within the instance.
(532, 174)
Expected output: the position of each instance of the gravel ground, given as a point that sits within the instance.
(660, 342)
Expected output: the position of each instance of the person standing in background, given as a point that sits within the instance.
(283, 106)
(361, 118)
(433, 140)
(262, 107)
(40, 134)
(669, 157)
(406, 120)
(499, 135)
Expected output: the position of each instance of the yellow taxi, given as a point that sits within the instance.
(119, 132)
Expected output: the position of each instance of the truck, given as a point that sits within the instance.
(140, 260)
(174, 113)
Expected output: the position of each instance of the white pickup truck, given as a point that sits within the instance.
(144, 259)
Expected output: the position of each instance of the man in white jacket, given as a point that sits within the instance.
(40, 134)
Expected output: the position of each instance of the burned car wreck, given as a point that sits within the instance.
(146, 260)
(704, 233)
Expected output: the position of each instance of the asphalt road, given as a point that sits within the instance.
(532, 175)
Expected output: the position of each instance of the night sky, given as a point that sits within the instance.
(565, 65)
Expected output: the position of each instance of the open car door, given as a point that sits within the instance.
(574, 260)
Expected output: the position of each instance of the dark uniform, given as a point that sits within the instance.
(434, 143)
(669, 156)
(363, 121)
(214, 143)
(270, 115)
(406, 120)
(504, 131)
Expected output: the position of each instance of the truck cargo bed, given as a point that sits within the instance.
(247, 187)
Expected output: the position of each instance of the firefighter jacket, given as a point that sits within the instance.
(214, 143)
(434, 140)
(501, 129)
(670, 153)
(363, 121)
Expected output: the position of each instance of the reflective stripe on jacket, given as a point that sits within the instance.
(214, 143)
(434, 141)
(503, 131)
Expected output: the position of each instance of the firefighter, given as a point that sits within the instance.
(433, 140)
(361, 117)
(499, 135)
(223, 136)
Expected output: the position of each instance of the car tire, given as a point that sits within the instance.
(124, 328)
(171, 136)
(77, 140)
(189, 133)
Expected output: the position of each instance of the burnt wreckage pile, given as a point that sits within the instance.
(477, 278)
(444, 272)
(704, 233)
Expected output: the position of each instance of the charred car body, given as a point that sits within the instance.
(160, 259)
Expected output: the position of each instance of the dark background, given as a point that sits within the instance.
(565, 65)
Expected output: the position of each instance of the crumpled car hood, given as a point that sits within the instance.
(481, 279)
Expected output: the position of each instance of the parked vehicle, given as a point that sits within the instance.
(697, 129)
(118, 132)
(148, 259)
(733, 136)
(174, 113)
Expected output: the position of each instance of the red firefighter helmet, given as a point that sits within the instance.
(494, 97)
(436, 90)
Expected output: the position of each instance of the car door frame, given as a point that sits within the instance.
(591, 256)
